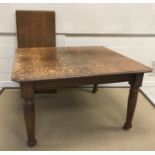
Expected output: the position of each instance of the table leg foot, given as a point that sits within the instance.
(94, 88)
(31, 142)
(127, 126)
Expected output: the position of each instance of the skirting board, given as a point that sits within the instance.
(11, 84)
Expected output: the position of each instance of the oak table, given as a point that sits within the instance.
(37, 68)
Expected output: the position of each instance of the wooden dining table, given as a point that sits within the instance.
(55, 67)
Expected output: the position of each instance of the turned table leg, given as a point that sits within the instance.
(29, 112)
(94, 88)
(135, 83)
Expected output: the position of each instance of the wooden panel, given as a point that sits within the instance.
(33, 64)
(35, 28)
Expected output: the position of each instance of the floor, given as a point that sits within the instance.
(76, 119)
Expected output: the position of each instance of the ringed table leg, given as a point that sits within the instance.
(135, 84)
(94, 88)
(29, 112)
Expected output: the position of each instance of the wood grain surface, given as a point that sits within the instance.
(35, 28)
(35, 64)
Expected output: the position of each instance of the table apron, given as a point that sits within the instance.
(56, 83)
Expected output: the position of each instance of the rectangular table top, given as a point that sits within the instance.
(35, 64)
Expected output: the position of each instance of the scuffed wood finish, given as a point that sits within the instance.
(37, 64)
(29, 111)
(35, 28)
